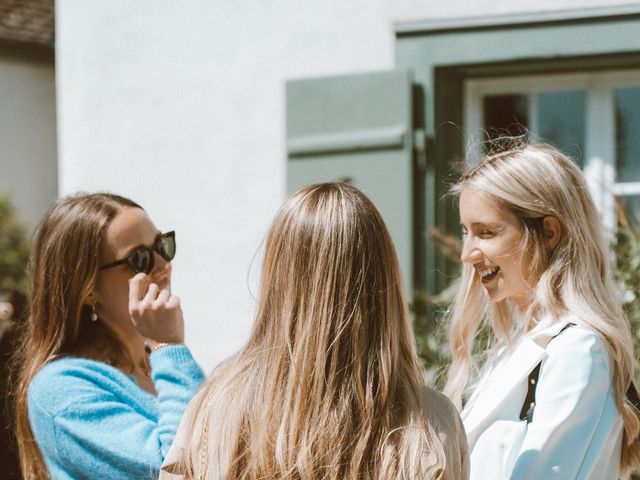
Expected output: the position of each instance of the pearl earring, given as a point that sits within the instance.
(94, 315)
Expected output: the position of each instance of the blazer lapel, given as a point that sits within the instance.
(512, 371)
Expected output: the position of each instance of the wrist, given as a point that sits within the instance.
(152, 346)
(160, 345)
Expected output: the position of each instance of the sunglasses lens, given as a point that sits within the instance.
(167, 247)
(141, 260)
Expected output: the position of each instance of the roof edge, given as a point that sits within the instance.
(444, 25)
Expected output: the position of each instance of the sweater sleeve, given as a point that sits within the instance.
(102, 432)
(177, 378)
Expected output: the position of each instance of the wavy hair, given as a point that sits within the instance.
(63, 268)
(535, 181)
(329, 385)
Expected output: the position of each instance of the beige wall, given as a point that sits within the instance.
(28, 155)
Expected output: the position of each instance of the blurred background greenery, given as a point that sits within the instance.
(627, 270)
(14, 248)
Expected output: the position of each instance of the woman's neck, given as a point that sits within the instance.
(108, 342)
(131, 359)
(133, 343)
(522, 303)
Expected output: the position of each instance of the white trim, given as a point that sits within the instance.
(626, 189)
(529, 83)
(621, 78)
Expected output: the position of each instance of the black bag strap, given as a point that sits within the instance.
(526, 412)
(633, 397)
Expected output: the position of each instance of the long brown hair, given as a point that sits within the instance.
(329, 385)
(63, 269)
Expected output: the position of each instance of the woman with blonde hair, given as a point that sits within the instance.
(329, 385)
(92, 400)
(554, 399)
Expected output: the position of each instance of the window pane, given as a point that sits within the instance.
(561, 121)
(505, 115)
(627, 134)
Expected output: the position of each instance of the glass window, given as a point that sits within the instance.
(561, 121)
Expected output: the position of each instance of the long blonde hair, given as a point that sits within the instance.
(534, 182)
(63, 269)
(329, 385)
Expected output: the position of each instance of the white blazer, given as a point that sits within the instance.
(576, 431)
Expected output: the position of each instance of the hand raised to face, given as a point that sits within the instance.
(155, 311)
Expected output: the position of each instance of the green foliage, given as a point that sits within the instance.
(14, 249)
(627, 271)
(428, 314)
(431, 339)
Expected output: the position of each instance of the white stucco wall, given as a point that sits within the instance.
(180, 105)
(28, 167)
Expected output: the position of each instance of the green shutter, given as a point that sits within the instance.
(357, 128)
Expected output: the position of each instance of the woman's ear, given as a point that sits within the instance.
(90, 299)
(552, 230)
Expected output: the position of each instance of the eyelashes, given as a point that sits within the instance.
(484, 233)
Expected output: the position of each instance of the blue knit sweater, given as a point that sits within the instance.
(91, 421)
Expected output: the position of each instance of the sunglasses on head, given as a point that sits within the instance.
(141, 260)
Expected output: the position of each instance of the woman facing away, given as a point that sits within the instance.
(329, 385)
(552, 402)
(91, 401)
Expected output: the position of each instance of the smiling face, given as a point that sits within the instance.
(130, 228)
(492, 245)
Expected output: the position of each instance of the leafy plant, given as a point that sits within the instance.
(14, 249)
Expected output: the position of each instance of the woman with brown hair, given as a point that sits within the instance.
(329, 385)
(104, 374)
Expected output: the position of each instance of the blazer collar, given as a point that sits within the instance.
(545, 331)
(507, 375)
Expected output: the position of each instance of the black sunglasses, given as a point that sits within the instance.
(142, 260)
